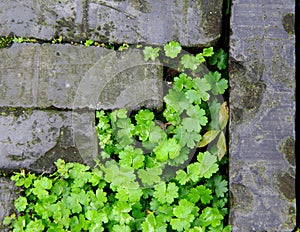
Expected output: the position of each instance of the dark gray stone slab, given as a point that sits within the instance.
(34, 139)
(43, 19)
(262, 110)
(153, 22)
(8, 193)
(72, 77)
(156, 22)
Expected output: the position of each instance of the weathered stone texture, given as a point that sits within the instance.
(43, 19)
(72, 77)
(8, 192)
(262, 103)
(34, 139)
(154, 22)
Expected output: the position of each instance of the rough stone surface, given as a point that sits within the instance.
(262, 106)
(48, 97)
(7, 195)
(156, 22)
(43, 19)
(149, 21)
(34, 139)
(69, 77)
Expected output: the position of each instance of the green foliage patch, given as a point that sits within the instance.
(148, 176)
(5, 42)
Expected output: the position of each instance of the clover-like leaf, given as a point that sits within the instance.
(172, 49)
(220, 59)
(220, 186)
(177, 100)
(208, 164)
(169, 149)
(21, 203)
(151, 53)
(200, 193)
(211, 217)
(166, 193)
(218, 84)
(190, 62)
(183, 81)
(150, 176)
(202, 86)
(207, 52)
(184, 214)
(131, 157)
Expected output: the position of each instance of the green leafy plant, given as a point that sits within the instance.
(148, 176)
(151, 53)
(220, 58)
(211, 135)
(88, 42)
(58, 40)
(123, 47)
(5, 42)
(23, 40)
(172, 49)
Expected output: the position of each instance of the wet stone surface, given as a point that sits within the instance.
(48, 97)
(262, 101)
(71, 77)
(156, 22)
(34, 139)
(7, 195)
(153, 22)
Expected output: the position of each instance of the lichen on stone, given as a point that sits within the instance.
(287, 148)
(285, 184)
(288, 23)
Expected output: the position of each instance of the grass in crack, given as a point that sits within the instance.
(147, 177)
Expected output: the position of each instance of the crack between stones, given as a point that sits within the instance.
(297, 145)
(85, 22)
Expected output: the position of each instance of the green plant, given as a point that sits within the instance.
(123, 47)
(5, 42)
(23, 40)
(58, 40)
(88, 42)
(147, 177)
(220, 58)
(172, 49)
(151, 53)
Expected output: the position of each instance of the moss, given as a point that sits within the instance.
(252, 94)
(5, 42)
(141, 5)
(285, 184)
(242, 198)
(287, 148)
(288, 22)
(211, 18)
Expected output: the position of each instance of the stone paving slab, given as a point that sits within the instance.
(34, 139)
(152, 22)
(262, 106)
(156, 22)
(71, 77)
(7, 195)
(43, 19)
